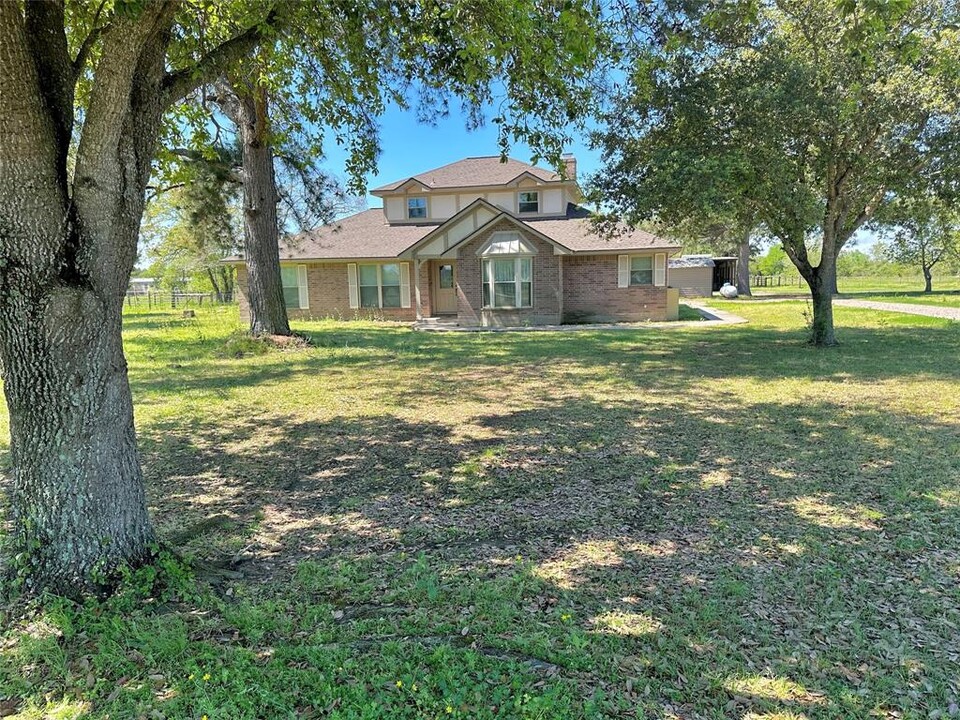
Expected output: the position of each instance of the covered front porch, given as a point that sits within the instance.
(436, 289)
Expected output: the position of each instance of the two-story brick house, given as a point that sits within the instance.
(481, 242)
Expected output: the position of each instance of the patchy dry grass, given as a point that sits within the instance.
(704, 522)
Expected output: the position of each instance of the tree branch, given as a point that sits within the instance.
(88, 42)
(230, 172)
(181, 83)
(44, 25)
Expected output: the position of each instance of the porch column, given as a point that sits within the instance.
(416, 286)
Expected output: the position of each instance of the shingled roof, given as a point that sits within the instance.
(473, 172)
(367, 235)
(364, 235)
(575, 231)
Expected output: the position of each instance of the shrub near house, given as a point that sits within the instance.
(483, 242)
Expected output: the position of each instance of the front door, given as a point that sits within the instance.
(445, 282)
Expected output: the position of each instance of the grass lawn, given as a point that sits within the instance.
(863, 286)
(698, 522)
(948, 298)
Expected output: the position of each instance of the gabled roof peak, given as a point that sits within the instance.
(474, 172)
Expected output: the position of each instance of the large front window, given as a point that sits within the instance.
(641, 270)
(508, 282)
(379, 285)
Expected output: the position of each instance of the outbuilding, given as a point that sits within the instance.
(692, 275)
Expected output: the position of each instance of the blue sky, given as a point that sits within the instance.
(410, 148)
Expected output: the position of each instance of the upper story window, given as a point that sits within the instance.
(529, 202)
(416, 207)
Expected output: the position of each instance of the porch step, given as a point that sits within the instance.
(436, 323)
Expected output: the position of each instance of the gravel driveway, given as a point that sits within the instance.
(948, 313)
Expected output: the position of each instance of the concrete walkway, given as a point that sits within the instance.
(948, 313)
(711, 316)
(712, 313)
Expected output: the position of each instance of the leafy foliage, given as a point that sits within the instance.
(922, 232)
(805, 116)
(192, 227)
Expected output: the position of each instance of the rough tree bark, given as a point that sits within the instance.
(821, 280)
(67, 248)
(743, 266)
(821, 285)
(927, 279)
(248, 108)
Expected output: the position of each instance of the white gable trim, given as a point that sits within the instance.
(527, 175)
(558, 249)
(523, 248)
(449, 223)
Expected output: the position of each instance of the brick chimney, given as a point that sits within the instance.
(570, 166)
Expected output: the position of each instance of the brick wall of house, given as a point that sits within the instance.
(426, 289)
(329, 292)
(590, 293)
(546, 285)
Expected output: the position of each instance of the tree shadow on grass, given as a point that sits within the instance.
(663, 360)
(767, 557)
(674, 557)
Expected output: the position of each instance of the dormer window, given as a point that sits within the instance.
(416, 207)
(529, 202)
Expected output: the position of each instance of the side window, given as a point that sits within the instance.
(291, 286)
(529, 202)
(369, 288)
(641, 270)
(416, 207)
(390, 285)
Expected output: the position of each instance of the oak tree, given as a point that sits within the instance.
(811, 113)
(85, 89)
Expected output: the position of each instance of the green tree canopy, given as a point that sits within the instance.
(88, 92)
(807, 115)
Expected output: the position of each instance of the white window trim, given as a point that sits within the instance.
(426, 207)
(658, 267)
(528, 212)
(303, 287)
(517, 282)
(303, 291)
(527, 249)
(652, 271)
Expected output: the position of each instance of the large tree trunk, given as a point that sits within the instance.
(927, 280)
(79, 504)
(78, 508)
(821, 331)
(821, 280)
(832, 283)
(743, 266)
(268, 313)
